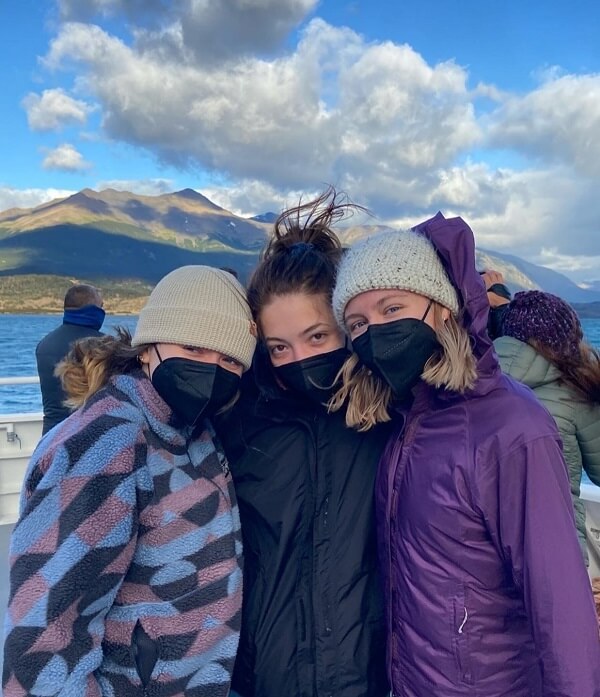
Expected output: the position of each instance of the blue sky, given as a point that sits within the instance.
(489, 110)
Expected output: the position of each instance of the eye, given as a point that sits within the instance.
(232, 361)
(355, 326)
(392, 309)
(277, 349)
(318, 337)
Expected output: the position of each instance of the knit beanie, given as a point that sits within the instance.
(395, 259)
(199, 306)
(547, 318)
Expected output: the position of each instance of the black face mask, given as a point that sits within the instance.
(192, 388)
(313, 377)
(397, 351)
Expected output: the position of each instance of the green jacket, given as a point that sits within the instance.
(578, 422)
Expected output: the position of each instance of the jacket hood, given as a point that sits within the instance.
(522, 362)
(455, 244)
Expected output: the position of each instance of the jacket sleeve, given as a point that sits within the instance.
(70, 551)
(526, 502)
(588, 437)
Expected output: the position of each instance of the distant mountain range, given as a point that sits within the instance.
(122, 240)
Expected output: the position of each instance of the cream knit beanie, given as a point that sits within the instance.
(400, 259)
(199, 306)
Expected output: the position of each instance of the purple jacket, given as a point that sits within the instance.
(486, 591)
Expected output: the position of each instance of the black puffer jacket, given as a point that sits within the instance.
(312, 620)
(48, 353)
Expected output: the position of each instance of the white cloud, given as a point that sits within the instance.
(134, 9)
(209, 31)
(65, 157)
(143, 187)
(28, 198)
(214, 30)
(553, 259)
(54, 109)
(252, 197)
(201, 87)
(559, 123)
(337, 109)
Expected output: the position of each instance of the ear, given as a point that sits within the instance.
(445, 314)
(144, 357)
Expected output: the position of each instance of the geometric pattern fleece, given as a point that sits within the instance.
(125, 572)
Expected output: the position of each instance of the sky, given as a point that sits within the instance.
(488, 109)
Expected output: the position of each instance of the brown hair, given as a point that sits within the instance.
(303, 253)
(81, 295)
(580, 372)
(92, 361)
(453, 368)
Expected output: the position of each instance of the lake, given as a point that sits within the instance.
(19, 335)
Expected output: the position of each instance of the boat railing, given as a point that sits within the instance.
(27, 380)
(19, 435)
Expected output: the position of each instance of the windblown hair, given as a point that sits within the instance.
(92, 361)
(303, 253)
(581, 372)
(369, 398)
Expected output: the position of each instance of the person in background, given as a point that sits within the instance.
(499, 297)
(125, 571)
(485, 586)
(543, 347)
(312, 620)
(83, 316)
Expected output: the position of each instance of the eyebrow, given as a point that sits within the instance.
(315, 326)
(392, 296)
(379, 304)
(306, 331)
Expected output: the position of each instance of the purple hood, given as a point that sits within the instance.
(485, 586)
(455, 245)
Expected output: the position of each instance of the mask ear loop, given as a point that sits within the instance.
(422, 318)
(155, 347)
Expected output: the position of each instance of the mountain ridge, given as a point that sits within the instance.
(121, 237)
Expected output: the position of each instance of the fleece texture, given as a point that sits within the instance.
(126, 554)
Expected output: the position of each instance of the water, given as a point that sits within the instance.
(19, 335)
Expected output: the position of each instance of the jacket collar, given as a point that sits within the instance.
(137, 389)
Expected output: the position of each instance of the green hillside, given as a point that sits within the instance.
(44, 293)
(125, 243)
(72, 250)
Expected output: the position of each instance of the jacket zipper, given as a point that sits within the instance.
(305, 610)
(326, 618)
(399, 456)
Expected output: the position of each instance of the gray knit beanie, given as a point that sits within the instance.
(199, 306)
(395, 259)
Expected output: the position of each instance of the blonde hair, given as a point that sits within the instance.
(368, 397)
(91, 363)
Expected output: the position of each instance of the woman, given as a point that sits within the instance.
(312, 619)
(543, 348)
(485, 587)
(125, 562)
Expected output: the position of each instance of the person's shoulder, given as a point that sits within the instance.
(510, 412)
(50, 337)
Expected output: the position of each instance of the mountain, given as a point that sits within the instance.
(115, 234)
(125, 242)
(269, 217)
(523, 275)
